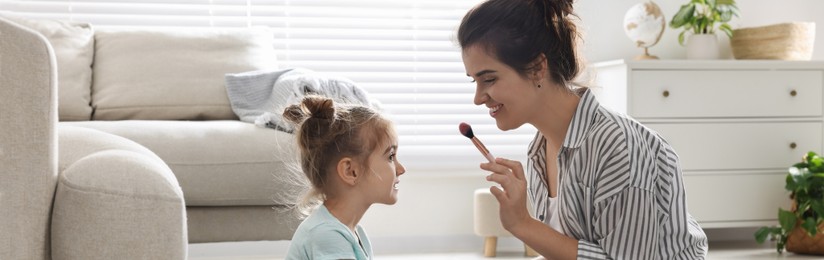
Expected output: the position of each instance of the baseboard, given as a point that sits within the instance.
(392, 245)
(269, 249)
(381, 246)
(440, 244)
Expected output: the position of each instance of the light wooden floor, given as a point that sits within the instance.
(718, 251)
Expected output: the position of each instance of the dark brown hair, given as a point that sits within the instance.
(327, 132)
(517, 32)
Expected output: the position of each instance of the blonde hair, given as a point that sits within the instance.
(326, 132)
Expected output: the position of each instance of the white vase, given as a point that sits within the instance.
(702, 47)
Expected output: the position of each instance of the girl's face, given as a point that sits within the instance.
(384, 170)
(507, 94)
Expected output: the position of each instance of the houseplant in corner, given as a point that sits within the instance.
(701, 19)
(801, 229)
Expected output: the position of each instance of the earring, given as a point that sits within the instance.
(539, 85)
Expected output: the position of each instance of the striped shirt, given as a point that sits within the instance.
(621, 192)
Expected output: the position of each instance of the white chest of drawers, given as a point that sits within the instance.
(736, 125)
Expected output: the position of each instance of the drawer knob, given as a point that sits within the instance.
(793, 145)
(666, 93)
(793, 93)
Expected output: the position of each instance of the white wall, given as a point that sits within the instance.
(604, 39)
(432, 206)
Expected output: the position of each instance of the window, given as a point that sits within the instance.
(403, 52)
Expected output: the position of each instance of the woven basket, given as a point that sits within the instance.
(799, 242)
(785, 41)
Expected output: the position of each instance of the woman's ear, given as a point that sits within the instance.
(539, 68)
(347, 170)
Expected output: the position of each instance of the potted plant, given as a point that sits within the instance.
(801, 229)
(702, 18)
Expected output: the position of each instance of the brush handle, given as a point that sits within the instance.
(483, 149)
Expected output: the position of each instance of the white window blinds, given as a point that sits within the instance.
(403, 52)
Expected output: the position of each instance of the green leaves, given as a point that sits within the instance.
(814, 162)
(805, 181)
(818, 207)
(810, 225)
(681, 38)
(726, 28)
(764, 232)
(786, 219)
(702, 16)
(683, 16)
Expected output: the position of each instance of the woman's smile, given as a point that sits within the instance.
(493, 110)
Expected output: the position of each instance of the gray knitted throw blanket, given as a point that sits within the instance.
(259, 97)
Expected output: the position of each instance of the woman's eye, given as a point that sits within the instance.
(392, 157)
(485, 80)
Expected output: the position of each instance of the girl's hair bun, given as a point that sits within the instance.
(310, 107)
(320, 107)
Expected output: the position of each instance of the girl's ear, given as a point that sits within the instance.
(347, 170)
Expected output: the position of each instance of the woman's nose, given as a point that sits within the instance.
(480, 96)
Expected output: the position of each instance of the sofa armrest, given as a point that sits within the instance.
(28, 141)
(115, 199)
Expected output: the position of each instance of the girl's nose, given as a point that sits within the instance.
(400, 170)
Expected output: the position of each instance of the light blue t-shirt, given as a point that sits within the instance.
(321, 236)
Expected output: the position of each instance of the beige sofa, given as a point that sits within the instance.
(107, 132)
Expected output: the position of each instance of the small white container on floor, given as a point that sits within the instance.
(488, 223)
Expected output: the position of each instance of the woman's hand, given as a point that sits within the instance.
(512, 199)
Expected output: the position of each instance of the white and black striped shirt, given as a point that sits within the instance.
(621, 191)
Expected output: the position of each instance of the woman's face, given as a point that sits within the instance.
(500, 88)
(384, 170)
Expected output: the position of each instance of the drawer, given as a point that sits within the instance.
(735, 146)
(724, 93)
(736, 197)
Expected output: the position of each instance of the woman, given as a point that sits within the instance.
(602, 185)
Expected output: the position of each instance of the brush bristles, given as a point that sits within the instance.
(466, 130)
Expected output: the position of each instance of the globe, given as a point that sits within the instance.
(644, 24)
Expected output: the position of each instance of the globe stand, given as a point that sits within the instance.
(646, 55)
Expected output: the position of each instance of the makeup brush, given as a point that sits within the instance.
(466, 130)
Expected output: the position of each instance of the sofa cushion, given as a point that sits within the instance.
(168, 74)
(219, 163)
(73, 45)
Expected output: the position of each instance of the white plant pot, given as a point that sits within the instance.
(702, 47)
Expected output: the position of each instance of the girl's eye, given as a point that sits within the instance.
(392, 157)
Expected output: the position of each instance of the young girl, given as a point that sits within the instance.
(348, 154)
